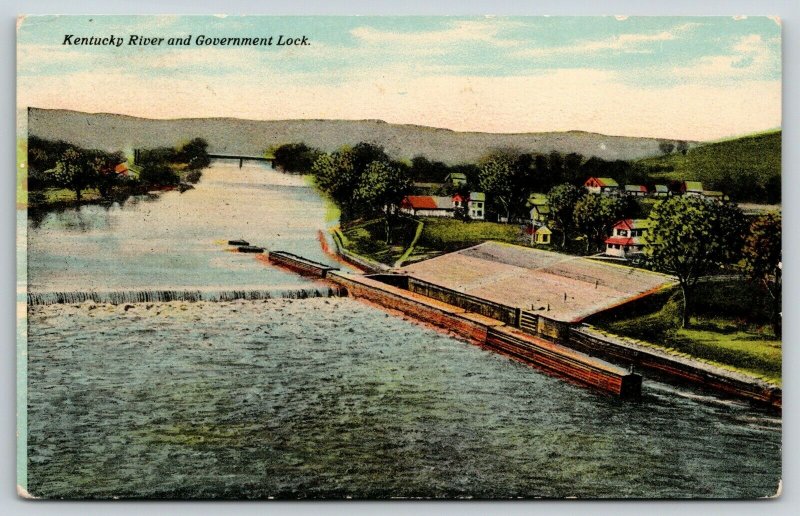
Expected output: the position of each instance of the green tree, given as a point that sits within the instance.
(683, 147)
(72, 171)
(381, 188)
(562, 200)
(103, 167)
(194, 154)
(335, 174)
(506, 178)
(666, 147)
(158, 174)
(572, 168)
(295, 157)
(689, 237)
(762, 253)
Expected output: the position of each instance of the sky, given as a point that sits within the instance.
(694, 78)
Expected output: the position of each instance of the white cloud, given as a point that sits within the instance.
(632, 42)
(459, 32)
(750, 56)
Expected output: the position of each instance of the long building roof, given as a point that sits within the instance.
(554, 285)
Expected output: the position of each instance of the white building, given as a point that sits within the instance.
(627, 238)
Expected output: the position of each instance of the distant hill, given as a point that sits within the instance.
(747, 168)
(230, 135)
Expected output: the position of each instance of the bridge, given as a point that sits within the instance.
(241, 158)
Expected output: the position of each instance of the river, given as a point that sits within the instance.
(325, 397)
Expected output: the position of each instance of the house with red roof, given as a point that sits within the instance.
(627, 238)
(692, 188)
(636, 190)
(601, 185)
(427, 206)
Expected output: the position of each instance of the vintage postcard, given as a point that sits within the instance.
(399, 257)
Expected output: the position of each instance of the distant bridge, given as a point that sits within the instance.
(241, 158)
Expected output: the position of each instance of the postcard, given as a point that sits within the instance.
(399, 257)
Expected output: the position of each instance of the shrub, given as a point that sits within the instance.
(158, 174)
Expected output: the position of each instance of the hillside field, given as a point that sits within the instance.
(746, 168)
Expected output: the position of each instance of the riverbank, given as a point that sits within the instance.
(730, 330)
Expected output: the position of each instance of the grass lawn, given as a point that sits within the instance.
(368, 239)
(730, 330)
(62, 196)
(439, 235)
(753, 352)
(446, 235)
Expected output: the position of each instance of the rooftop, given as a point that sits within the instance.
(533, 279)
(427, 202)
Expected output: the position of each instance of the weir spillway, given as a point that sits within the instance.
(117, 297)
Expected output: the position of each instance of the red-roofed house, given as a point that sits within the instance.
(121, 169)
(636, 190)
(601, 185)
(692, 188)
(427, 206)
(626, 240)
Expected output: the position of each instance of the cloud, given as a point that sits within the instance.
(484, 31)
(750, 56)
(631, 42)
(427, 77)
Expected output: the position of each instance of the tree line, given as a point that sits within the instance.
(58, 164)
(688, 237)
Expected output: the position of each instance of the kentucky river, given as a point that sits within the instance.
(319, 397)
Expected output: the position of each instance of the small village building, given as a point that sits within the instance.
(427, 206)
(692, 188)
(627, 238)
(542, 235)
(601, 185)
(474, 204)
(540, 213)
(715, 195)
(636, 190)
(456, 178)
(539, 208)
(121, 169)
(661, 191)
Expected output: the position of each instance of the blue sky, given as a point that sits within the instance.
(688, 77)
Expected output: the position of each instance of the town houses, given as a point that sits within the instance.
(627, 238)
(472, 205)
(601, 185)
(608, 186)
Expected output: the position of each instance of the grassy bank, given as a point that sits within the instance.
(451, 234)
(730, 329)
(368, 239)
(439, 235)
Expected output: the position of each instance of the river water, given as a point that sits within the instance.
(325, 397)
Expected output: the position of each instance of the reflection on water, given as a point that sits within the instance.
(179, 240)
